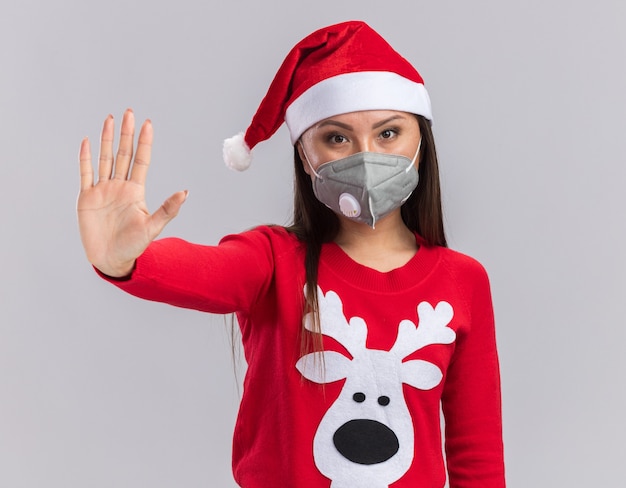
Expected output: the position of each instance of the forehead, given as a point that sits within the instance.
(366, 117)
(365, 120)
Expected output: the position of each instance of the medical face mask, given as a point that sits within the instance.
(366, 186)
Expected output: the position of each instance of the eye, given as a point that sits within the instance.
(359, 397)
(336, 139)
(388, 133)
(383, 401)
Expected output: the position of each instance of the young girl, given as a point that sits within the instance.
(358, 323)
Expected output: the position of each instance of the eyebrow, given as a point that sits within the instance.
(350, 128)
(334, 122)
(386, 121)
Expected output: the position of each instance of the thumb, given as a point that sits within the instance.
(167, 212)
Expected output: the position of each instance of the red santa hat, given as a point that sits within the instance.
(342, 68)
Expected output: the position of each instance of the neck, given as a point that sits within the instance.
(390, 245)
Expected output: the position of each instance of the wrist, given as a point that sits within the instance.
(122, 272)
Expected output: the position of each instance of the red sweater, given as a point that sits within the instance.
(397, 345)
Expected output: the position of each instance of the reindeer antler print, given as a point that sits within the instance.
(352, 335)
(432, 329)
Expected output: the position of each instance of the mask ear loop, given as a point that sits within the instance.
(419, 145)
(307, 161)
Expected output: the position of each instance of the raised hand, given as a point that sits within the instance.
(115, 224)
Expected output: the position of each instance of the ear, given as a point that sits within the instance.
(421, 374)
(420, 135)
(305, 163)
(420, 156)
(334, 367)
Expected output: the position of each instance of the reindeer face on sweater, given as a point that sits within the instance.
(367, 434)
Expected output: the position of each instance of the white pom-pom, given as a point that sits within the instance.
(237, 154)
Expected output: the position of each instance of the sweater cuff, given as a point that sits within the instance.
(114, 279)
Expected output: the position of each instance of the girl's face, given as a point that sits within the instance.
(383, 131)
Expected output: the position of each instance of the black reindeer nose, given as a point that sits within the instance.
(365, 441)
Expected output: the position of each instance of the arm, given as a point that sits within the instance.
(218, 279)
(471, 399)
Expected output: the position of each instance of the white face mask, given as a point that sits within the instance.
(366, 186)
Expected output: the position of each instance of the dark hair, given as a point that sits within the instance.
(315, 224)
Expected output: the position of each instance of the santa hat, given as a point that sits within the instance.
(338, 69)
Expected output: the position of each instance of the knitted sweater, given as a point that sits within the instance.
(397, 346)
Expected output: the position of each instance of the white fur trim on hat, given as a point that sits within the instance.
(237, 154)
(353, 92)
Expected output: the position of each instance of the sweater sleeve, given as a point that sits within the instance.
(471, 398)
(218, 279)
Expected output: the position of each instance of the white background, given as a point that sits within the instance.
(99, 389)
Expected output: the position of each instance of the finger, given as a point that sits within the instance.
(125, 149)
(167, 212)
(86, 170)
(144, 151)
(105, 160)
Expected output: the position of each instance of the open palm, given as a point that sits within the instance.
(115, 224)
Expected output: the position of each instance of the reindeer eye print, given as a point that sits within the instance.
(383, 401)
(359, 397)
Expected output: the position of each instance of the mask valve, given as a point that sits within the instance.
(349, 205)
